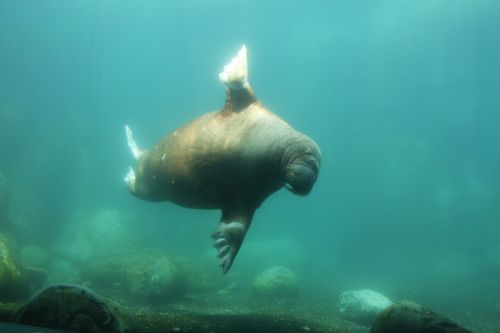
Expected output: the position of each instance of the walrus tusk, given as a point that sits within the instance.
(130, 177)
(136, 152)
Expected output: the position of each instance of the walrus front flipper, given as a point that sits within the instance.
(229, 236)
(136, 152)
(235, 78)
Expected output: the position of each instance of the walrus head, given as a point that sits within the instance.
(302, 165)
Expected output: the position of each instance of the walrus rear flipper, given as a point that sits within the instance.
(235, 78)
(229, 236)
(235, 74)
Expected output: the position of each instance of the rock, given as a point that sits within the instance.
(34, 256)
(362, 306)
(145, 277)
(277, 281)
(74, 308)
(13, 284)
(410, 317)
(155, 279)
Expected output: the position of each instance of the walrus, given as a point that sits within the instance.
(231, 159)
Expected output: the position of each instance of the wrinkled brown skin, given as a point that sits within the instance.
(232, 160)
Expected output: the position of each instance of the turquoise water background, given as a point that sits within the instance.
(402, 96)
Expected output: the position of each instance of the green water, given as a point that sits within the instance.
(402, 97)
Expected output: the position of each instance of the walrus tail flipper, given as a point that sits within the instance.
(229, 236)
(235, 78)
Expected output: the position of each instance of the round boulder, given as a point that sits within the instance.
(276, 281)
(74, 308)
(362, 306)
(155, 278)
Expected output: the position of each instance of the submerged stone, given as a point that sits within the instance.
(362, 306)
(155, 279)
(72, 308)
(276, 281)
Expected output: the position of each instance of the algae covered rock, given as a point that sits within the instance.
(362, 306)
(155, 278)
(72, 308)
(277, 281)
(13, 284)
(409, 317)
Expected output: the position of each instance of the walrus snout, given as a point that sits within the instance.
(132, 185)
(301, 175)
(145, 183)
(135, 183)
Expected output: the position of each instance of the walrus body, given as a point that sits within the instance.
(232, 160)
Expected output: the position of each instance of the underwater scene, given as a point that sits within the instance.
(250, 166)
